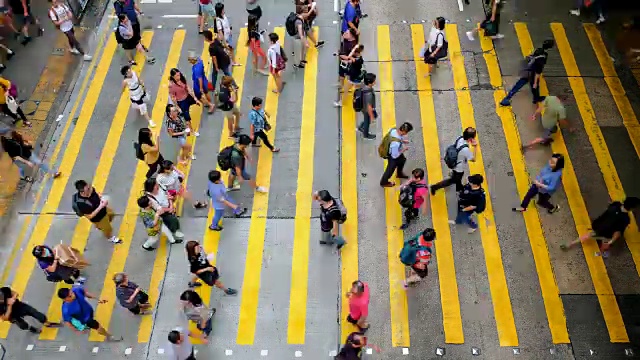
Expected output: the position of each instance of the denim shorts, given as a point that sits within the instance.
(182, 140)
(245, 174)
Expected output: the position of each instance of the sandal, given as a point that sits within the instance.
(199, 205)
(27, 179)
(57, 175)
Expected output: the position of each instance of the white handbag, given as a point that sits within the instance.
(12, 104)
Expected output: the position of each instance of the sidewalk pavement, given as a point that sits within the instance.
(44, 72)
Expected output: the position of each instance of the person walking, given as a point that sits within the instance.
(253, 8)
(21, 10)
(351, 66)
(423, 246)
(369, 113)
(126, 36)
(544, 185)
(200, 82)
(332, 214)
(130, 295)
(220, 59)
(491, 23)
(553, 114)
(178, 129)
(182, 95)
(471, 199)
(217, 191)
(296, 29)
(354, 346)
(259, 124)
(161, 202)
(254, 42)
(88, 203)
(596, 5)
(359, 305)
(201, 269)
(396, 140)
(62, 17)
(237, 158)
(222, 27)
(24, 157)
(152, 221)
(456, 158)
(137, 92)
(227, 100)
(351, 17)
(277, 62)
(14, 311)
(436, 46)
(530, 73)
(49, 262)
(413, 197)
(607, 228)
(170, 179)
(9, 105)
(180, 347)
(150, 148)
(77, 312)
(195, 310)
(131, 9)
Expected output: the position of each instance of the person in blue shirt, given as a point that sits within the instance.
(351, 16)
(544, 185)
(259, 124)
(77, 313)
(217, 191)
(200, 82)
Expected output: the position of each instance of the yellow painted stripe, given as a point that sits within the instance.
(83, 227)
(52, 161)
(39, 235)
(631, 235)
(550, 292)
(302, 227)
(395, 237)
(451, 318)
(255, 246)
(211, 239)
(493, 258)
(349, 194)
(601, 282)
(127, 228)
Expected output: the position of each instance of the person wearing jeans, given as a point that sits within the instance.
(544, 185)
(220, 59)
(369, 113)
(23, 156)
(471, 199)
(258, 118)
(217, 191)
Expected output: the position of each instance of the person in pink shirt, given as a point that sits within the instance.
(416, 192)
(359, 305)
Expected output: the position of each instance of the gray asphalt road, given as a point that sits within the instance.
(503, 303)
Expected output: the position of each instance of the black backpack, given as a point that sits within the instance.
(358, 99)
(224, 158)
(451, 154)
(74, 204)
(407, 196)
(119, 38)
(138, 149)
(290, 24)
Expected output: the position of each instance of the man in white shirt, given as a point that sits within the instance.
(180, 346)
(223, 30)
(62, 18)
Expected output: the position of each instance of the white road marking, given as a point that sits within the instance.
(128, 351)
(264, 352)
(336, 5)
(180, 16)
(298, 353)
(29, 347)
(160, 351)
(95, 350)
(333, 353)
(228, 352)
(459, 5)
(405, 351)
(62, 348)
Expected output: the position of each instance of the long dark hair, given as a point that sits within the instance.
(190, 248)
(252, 26)
(144, 137)
(173, 73)
(559, 162)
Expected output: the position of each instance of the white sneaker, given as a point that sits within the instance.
(337, 104)
(472, 230)
(115, 240)
(575, 12)
(81, 280)
(451, 222)
(74, 51)
(196, 134)
(152, 124)
(178, 235)
(86, 57)
(600, 20)
(470, 35)
(262, 190)
(497, 36)
(193, 156)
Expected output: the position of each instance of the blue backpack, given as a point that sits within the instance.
(409, 252)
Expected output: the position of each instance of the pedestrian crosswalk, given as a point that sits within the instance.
(468, 106)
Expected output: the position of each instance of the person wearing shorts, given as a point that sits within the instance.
(130, 295)
(23, 16)
(200, 268)
(359, 305)
(77, 313)
(177, 129)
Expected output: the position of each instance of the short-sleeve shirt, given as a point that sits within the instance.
(126, 31)
(123, 293)
(368, 97)
(539, 63)
(126, 7)
(350, 16)
(136, 91)
(176, 126)
(148, 217)
(61, 13)
(18, 308)
(359, 305)
(79, 308)
(180, 351)
(217, 192)
(420, 195)
(299, 23)
(436, 37)
(554, 111)
(90, 204)
(150, 156)
(224, 98)
(257, 118)
(395, 146)
(197, 74)
(355, 69)
(198, 262)
(170, 180)
(328, 215)
(179, 91)
(159, 200)
(237, 158)
(464, 155)
(222, 24)
(216, 50)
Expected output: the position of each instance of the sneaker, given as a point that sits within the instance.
(470, 36)
(600, 20)
(152, 124)
(235, 187)
(319, 44)
(472, 230)
(262, 189)
(575, 12)
(432, 190)
(53, 325)
(74, 51)
(151, 60)
(555, 209)
(81, 280)
(34, 330)
(177, 241)
(193, 284)
(10, 54)
(178, 234)
(115, 240)
(215, 228)
(370, 137)
(193, 156)
(505, 102)
(86, 57)
(196, 134)
(231, 291)
(451, 222)
(337, 104)
(241, 212)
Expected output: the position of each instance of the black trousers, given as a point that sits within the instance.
(262, 135)
(393, 165)
(28, 310)
(456, 178)
(5, 109)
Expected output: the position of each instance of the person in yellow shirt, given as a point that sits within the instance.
(9, 105)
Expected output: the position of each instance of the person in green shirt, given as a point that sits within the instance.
(553, 113)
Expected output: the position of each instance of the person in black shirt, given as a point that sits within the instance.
(88, 203)
(330, 218)
(471, 200)
(220, 58)
(23, 155)
(14, 311)
(201, 269)
(351, 65)
(609, 227)
(530, 73)
(21, 10)
(227, 99)
(353, 346)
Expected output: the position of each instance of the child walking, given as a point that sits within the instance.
(217, 191)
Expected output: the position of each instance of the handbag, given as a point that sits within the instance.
(12, 104)
(267, 126)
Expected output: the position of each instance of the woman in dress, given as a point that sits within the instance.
(170, 178)
(137, 92)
